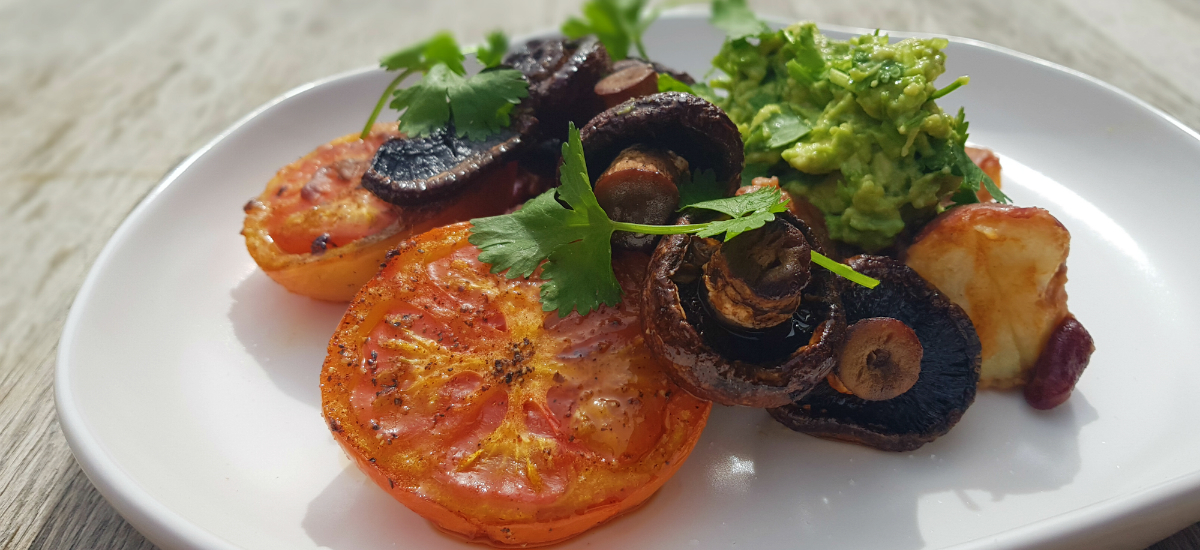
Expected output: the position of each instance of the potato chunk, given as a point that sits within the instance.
(1006, 267)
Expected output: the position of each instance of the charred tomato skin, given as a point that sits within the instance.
(319, 233)
(498, 422)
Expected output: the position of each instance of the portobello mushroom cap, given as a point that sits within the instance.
(684, 124)
(562, 75)
(757, 368)
(949, 367)
(409, 171)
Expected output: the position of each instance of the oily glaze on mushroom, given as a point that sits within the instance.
(640, 151)
(727, 350)
(408, 171)
(561, 75)
(948, 371)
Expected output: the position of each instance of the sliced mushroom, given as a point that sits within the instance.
(726, 362)
(561, 74)
(756, 280)
(657, 128)
(881, 359)
(627, 83)
(640, 185)
(658, 68)
(949, 367)
(684, 124)
(562, 77)
(410, 171)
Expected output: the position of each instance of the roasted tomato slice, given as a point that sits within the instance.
(316, 230)
(456, 393)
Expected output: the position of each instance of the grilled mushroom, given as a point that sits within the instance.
(640, 151)
(720, 349)
(948, 373)
(561, 74)
(410, 171)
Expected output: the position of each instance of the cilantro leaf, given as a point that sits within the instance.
(477, 106)
(425, 104)
(785, 127)
(575, 242)
(440, 48)
(736, 226)
(668, 83)
(741, 205)
(491, 52)
(572, 243)
(443, 49)
(618, 24)
(701, 188)
(736, 19)
(479, 103)
(476, 103)
(807, 65)
(518, 242)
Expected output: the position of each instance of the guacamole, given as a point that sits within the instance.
(851, 126)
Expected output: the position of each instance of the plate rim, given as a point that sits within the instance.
(167, 528)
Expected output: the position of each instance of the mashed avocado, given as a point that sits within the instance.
(851, 126)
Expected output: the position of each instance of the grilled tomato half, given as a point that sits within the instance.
(498, 422)
(317, 231)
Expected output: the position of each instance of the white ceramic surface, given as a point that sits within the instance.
(187, 381)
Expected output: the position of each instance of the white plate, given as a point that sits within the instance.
(187, 381)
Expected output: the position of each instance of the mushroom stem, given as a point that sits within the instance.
(756, 280)
(632, 81)
(640, 187)
(881, 359)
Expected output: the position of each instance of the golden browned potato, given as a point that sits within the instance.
(1006, 267)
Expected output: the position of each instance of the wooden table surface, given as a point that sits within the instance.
(98, 100)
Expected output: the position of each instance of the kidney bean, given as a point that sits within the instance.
(1060, 365)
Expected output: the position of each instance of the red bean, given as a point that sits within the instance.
(1060, 365)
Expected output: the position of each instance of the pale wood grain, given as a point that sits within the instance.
(99, 100)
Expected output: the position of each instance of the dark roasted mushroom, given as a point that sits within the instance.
(633, 77)
(658, 68)
(949, 367)
(756, 280)
(636, 80)
(656, 131)
(684, 124)
(562, 76)
(715, 357)
(410, 171)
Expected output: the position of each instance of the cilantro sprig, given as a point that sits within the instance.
(736, 19)
(952, 154)
(572, 243)
(476, 106)
(618, 24)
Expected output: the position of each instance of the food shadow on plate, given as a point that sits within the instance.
(285, 333)
(1002, 447)
(351, 513)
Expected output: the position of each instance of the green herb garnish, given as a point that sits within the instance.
(617, 23)
(736, 19)
(953, 154)
(476, 106)
(574, 240)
